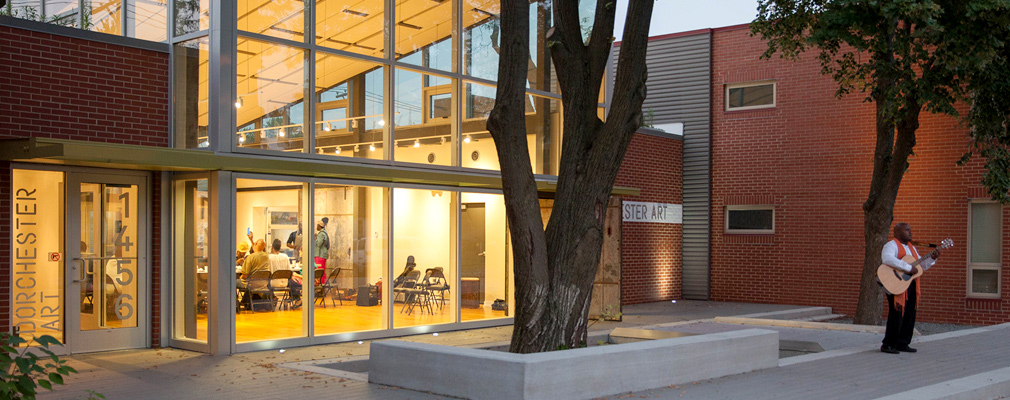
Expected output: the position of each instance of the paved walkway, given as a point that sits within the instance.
(179, 374)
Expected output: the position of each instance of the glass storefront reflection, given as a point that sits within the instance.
(349, 107)
(270, 89)
(424, 110)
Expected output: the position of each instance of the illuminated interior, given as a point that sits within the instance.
(439, 107)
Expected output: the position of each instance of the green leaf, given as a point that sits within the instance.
(44, 383)
(56, 378)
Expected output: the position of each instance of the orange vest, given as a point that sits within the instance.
(899, 299)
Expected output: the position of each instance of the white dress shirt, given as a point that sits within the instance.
(889, 256)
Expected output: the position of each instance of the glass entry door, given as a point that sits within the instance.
(108, 269)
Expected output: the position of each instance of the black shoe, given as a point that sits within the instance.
(906, 349)
(888, 349)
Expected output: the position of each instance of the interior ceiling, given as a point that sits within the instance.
(271, 76)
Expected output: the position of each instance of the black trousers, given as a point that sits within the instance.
(900, 324)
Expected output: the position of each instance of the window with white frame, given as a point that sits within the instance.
(984, 249)
(750, 95)
(750, 219)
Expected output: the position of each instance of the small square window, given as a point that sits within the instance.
(748, 96)
(750, 219)
(984, 281)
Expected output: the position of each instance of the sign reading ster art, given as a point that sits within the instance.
(663, 213)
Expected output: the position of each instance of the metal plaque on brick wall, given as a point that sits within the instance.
(663, 213)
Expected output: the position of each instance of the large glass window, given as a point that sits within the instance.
(485, 268)
(357, 27)
(270, 92)
(424, 110)
(191, 16)
(37, 282)
(104, 16)
(479, 150)
(985, 249)
(424, 259)
(192, 259)
(270, 277)
(481, 38)
(283, 19)
(543, 132)
(354, 219)
(349, 107)
(424, 29)
(147, 19)
(192, 63)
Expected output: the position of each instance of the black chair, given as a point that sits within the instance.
(258, 284)
(438, 283)
(323, 287)
(406, 280)
(417, 295)
(332, 287)
(279, 284)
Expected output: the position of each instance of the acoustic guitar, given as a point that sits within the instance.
(895, 281)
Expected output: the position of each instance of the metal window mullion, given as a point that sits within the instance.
(309, 99)
(390, 300)
(222, 91)
(308, 317)
(389, 93)
(123, 15)
(456, 100)
(456, 235)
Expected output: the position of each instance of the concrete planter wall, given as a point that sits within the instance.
(577, 373)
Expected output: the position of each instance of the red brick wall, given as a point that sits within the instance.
(650, 253)
(811, 158)
(60, 87)
(65, 88)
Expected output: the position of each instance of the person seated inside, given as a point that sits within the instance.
(280, 261)
(257, 261)
(241, 253)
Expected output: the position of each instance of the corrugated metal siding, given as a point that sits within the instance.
(679, 90)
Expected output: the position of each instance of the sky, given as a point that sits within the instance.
(672, 16)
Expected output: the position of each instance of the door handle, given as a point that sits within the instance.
(77, 280)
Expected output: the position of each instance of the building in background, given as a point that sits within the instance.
(775, 171)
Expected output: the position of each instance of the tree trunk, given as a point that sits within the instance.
(890, 161)
(555, 267)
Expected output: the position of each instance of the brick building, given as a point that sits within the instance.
(789, 165)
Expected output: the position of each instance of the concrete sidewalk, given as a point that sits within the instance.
(175, 374)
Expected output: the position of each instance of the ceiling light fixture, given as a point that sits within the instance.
(356, 148)
(338, 150)
(441, 140)
(371, 147)
(358, 13)
(238, 103)
(466, 139)
(417, 143)
(326, 127)
(241, 138)
(280, 132)
(406, 25)
(381, 122)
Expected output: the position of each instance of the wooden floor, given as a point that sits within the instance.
(342, 318)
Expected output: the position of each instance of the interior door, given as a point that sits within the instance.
(107, 276)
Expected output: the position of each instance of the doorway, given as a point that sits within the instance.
(107, 273)
(472, 255)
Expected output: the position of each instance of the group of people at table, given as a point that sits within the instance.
(256, 257)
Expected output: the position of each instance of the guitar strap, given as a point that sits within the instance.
(899, 299)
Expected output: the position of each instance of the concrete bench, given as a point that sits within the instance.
(569, 374)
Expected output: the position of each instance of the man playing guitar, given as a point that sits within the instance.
(901, 307)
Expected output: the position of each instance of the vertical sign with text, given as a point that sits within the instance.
(37, 266)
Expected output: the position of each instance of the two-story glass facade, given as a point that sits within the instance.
(327, 176)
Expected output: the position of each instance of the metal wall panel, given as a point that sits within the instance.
(679, 90)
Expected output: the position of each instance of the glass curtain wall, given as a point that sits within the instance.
(442, 85)
(191, 84)
(271, 264)
(192, 259)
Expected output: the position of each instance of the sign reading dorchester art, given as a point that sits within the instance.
(37, 222)
(663, 213)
